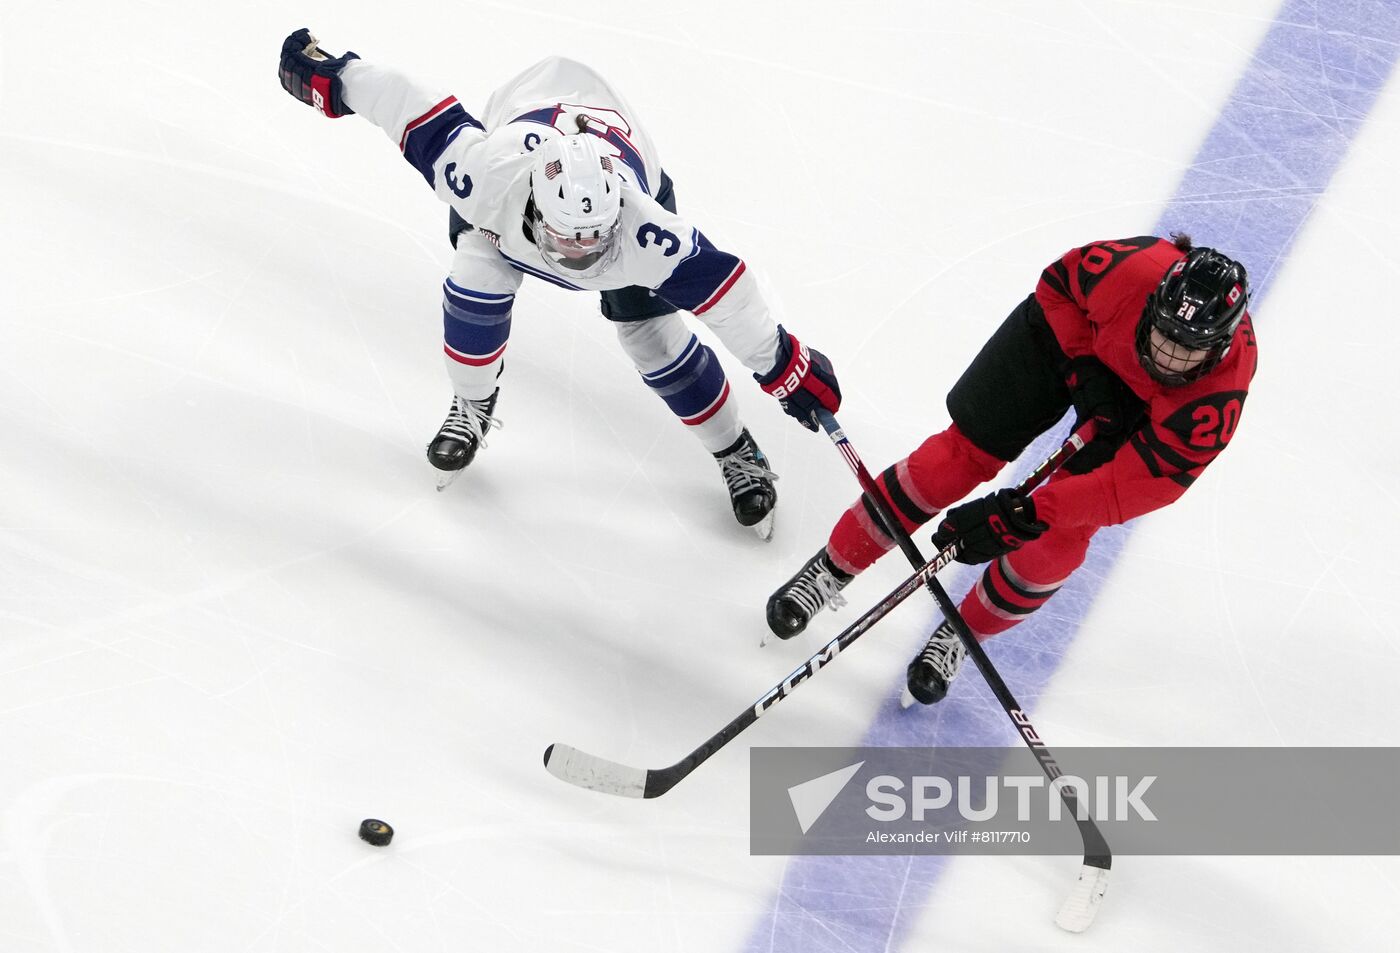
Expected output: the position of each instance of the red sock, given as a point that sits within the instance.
(1014, 586)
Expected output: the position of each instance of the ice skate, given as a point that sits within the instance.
(818, 583)
(934, 667)
(461, 435)
(750, 484)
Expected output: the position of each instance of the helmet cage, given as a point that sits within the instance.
(1196, 307)
(578, 254)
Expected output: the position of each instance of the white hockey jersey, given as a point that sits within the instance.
(482, 169)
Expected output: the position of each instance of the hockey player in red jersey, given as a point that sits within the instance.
(1149, 337)
(558, 181)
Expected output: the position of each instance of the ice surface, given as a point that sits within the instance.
(237, 618)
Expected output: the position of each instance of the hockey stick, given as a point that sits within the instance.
(599, 774)
(1077, 912)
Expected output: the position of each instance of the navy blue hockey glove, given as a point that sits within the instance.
(312, 75)
(1100, 395)
(990, 527)
(802, 380)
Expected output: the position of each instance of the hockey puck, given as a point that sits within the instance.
(375, 832)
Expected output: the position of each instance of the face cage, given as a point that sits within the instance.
(1145, 353)
(565, 261)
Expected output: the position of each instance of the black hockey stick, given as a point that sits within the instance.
(1079, 908)
(599, 774)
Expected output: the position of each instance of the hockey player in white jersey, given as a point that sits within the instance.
(556, 180)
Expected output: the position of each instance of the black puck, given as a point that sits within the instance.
(375, 832)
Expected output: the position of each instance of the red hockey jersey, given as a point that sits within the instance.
(1093, 298)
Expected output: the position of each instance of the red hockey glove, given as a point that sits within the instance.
(802, 380)
(990, 527)
(1100, 395)
(312, 75)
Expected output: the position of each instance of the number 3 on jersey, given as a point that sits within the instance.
(650, 234)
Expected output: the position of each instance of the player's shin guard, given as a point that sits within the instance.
(1014, 586)
(475, 329)
(944, 469)
(686, 375)
(694, 387)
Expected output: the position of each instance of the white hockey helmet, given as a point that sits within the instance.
(577, 197)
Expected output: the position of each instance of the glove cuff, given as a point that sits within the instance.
(791, 365)
(1019, 510)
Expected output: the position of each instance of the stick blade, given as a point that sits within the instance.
(1077, 912)
(585, 770)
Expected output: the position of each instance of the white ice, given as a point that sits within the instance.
(236, 618)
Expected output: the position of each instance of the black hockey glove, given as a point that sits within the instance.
(990, 527)
(312, 75)
(802, 380)
(1100, 395)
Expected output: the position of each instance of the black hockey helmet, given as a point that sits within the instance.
(1195, 311)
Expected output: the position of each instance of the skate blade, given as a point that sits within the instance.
(906, 698)
(764, 528)
(445, 478)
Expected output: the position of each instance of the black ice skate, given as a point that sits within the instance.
(461, 434)
(750, 482)
(934, 667)
(817, 584)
